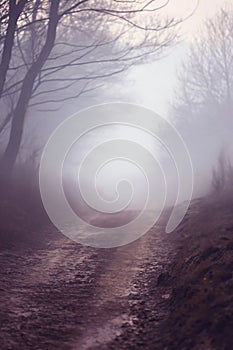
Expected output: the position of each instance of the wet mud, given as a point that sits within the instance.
(61, 295)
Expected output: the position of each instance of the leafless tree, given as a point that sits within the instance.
(222, 179)
(48, 46)
(206, 77)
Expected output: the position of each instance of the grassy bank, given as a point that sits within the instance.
(202, 299)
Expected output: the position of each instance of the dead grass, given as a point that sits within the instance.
(202, 301)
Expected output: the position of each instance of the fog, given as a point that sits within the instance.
(116, 174)
(158, 84)
(152, 86)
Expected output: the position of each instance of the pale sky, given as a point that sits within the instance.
(204, 9)
(152, 85)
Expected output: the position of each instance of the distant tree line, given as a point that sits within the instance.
(204, 95)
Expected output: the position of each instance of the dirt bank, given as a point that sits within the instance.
(201, 306)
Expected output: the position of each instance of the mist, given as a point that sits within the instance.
(116, 174)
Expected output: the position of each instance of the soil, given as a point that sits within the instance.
(57, 294)
(164, 291)
(201, 306)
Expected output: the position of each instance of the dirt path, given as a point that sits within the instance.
(66, 296)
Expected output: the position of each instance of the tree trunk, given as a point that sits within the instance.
(16, 133)
(14, 13)
(8, 160)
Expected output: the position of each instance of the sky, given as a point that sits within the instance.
(153, 85)
(204, 9)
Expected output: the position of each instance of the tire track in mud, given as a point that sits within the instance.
(66, 296)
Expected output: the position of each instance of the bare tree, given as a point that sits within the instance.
(206, 77)
(43, 42)
(222, 179)
(12, 15)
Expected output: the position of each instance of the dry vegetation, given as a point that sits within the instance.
(202, 299)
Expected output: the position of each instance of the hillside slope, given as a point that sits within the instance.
(202, 298)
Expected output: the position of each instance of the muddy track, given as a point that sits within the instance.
(66, 296)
